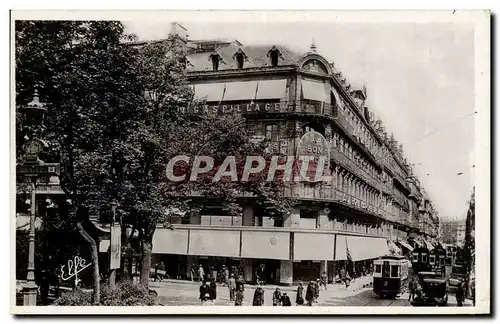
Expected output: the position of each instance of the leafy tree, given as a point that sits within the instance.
(117, 114)
(79, 69)
(166, 130)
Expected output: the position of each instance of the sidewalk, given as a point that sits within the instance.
(359, 283)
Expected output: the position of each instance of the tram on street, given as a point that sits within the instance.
(390, 276)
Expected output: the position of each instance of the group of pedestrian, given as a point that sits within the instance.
(281, 299)
(312, 292)
(345, 278)
(208, 292)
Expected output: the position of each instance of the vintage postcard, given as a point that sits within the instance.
(250, 162)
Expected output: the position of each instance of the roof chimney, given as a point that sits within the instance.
(313, 46)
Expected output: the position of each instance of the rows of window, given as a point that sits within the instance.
(240, 59)
(346, 148)
(360, 130)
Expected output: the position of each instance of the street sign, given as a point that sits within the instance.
(115, 247)
(38, 169)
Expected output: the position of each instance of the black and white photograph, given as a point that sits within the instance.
(250, 162)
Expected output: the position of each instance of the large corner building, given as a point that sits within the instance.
(372, 202)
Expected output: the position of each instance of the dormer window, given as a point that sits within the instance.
(239, 60)
(274, 58)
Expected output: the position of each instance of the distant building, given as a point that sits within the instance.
(453, 232)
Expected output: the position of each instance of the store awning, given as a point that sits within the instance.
(315, 91)
(209, 91)
(271, 89)
(428, 245)
(364, 248)
(240, 91)
(337, 97)
(393, 248)
(405, 245)
(340, 248)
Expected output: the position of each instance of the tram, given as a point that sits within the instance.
(390, 275)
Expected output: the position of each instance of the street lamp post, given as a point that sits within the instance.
(33, 168)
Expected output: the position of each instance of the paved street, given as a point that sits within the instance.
(177, 294)
(186, 293)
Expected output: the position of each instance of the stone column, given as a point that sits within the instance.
(286, 272)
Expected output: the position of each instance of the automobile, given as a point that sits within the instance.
(432, 290)
(458, 272)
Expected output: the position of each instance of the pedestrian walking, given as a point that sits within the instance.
(226, 275)
(232, 287)
(201, 273)
(193, 272)
(204, 293)
(343, 276)
(324, 279)
(277, 297)
(285, 300)
(213, 291)
(258, 297)
(316, 290)
(240, 283)
(310, 293)
(347, 280)
(412, 287)
(239, 297)
(300, 295)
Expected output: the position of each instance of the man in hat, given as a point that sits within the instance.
(204, 293)
(232, 287)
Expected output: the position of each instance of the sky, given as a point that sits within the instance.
(419, 79)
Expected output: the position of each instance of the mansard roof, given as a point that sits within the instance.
(255, 56)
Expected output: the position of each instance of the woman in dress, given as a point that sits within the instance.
(300, 295)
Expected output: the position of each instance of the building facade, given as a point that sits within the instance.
(372, 197)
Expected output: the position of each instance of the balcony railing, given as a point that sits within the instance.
(351, 165)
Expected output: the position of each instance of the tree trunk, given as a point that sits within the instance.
(147, 249)
(96, 298)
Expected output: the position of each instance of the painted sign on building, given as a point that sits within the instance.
(313, 153)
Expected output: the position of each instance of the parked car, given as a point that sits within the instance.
(458, 272)
(432, 290)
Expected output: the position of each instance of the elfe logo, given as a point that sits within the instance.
(313, 154)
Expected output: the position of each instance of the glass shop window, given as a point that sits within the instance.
(424, 257)
(414, 257)
(394, 271)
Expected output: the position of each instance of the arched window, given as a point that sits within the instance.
(239, 59)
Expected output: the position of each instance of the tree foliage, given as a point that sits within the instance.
(117, 115)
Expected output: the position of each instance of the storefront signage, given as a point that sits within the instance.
(280, 147)
(355, 202)
(242, 108)
(75, 266)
